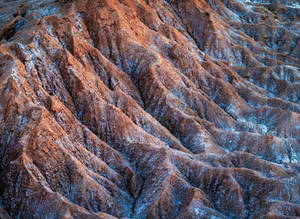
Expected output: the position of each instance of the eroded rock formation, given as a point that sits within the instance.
(150, 109)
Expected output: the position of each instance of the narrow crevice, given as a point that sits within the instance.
(136, 199)
(184, 25)
(9, 32)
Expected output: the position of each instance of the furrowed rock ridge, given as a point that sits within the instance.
(167, 109)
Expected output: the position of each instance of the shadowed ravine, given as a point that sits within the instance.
(150, 109)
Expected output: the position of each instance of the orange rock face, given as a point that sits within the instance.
(150, 109)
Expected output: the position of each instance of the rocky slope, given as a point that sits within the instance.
(150, 109)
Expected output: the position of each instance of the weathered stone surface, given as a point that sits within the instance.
(150, 109)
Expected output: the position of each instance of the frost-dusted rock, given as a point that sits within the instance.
(149, 109)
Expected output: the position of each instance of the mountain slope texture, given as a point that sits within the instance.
(172, 109)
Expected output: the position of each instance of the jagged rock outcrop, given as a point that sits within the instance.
(150, 109)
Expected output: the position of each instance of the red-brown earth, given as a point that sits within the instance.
(150, 109)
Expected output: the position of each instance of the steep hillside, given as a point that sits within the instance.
(149, 109)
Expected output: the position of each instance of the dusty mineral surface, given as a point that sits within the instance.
(150, 109)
